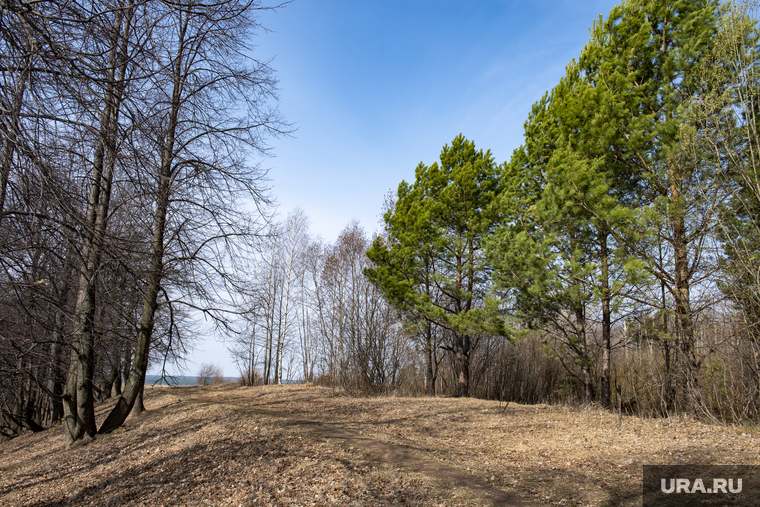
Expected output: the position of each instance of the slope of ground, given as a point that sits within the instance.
(304, 446)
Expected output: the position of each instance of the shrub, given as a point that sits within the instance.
(210, 373)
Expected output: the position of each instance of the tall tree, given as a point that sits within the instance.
(647, 57)
(727, 113)
(435, 234)
(545, 252)
(607, 178)
(117, 23)
(213, 108)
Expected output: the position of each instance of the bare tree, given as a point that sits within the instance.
(209, 374)
(213, 109)
(272, 304)
(364, 346)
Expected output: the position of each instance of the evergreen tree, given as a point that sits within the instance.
(554, 249)
(435, 239)
(607, 187)
(646, 58)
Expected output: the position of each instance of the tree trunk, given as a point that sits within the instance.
(9, 148)
(585, 360)
(11, 131)
(252, 358)
(79, 407)
(117, 381)
(107, 384)
(136, 380)
(682, 298)
(429, 360)
(55, 382)
(139, 407)
(462, 352)
(606, 324)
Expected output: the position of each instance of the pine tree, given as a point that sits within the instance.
(607, 180)
(435, 238)
(646, 58)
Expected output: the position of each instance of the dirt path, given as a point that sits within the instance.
(403, 457)
(399, 457)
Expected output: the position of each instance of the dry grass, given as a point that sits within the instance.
(302, 446)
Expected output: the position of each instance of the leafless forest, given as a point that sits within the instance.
(128, 193)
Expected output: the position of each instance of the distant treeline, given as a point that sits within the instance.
(181, 380)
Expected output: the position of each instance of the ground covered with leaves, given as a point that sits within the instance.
(312, 446)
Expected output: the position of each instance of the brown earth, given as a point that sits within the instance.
(310, 446)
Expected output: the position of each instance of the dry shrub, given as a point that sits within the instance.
(522, 371)
(727, 379)
(326, 380)
(210, 374)
(250, 377)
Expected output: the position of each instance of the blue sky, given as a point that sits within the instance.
(375, 87)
